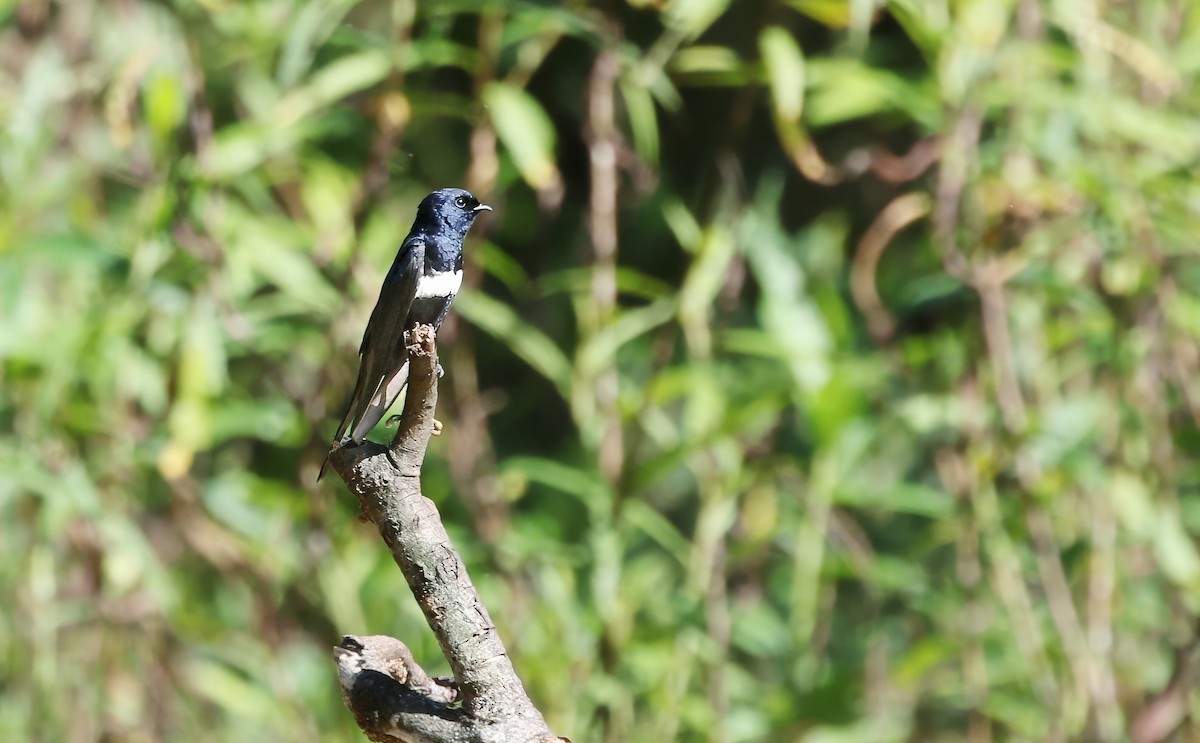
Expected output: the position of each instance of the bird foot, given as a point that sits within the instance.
(440, 371)
(391, 421)
(437, 427)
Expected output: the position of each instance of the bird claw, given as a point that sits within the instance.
(440, 371)
(391, 421)
(437, 427)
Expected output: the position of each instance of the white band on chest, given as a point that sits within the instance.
(437, 285)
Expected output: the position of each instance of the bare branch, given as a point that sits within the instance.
(387, 482)
(901, 212)
(603, 142)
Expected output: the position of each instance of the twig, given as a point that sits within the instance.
(952, 179)
(602, 138)
(897, 169)
(1166, 710)
(989, 282)
(901, 212)
(387, 481)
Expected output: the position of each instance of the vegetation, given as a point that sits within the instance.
(827, 371)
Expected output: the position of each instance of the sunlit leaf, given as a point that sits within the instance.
(332, 83)
(691, 17)
(643, 120)
(832, 13)
(526, 131)
(785, 72)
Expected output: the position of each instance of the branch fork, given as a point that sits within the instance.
(391, 696)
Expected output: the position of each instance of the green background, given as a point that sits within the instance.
(880, 424)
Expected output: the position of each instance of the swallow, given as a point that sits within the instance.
(418, 289)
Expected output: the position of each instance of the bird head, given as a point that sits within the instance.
(453, 208)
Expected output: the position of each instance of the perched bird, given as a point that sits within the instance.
(418, 289)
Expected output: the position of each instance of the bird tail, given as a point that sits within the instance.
(384, 396)
(359, 384)
(380, 402)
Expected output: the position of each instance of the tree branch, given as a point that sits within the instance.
(391, 697)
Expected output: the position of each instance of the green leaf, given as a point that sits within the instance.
(164, 104)
(705, 58)
(526, 132)
(629, 281)
(785, 73)
(584, 485)
(239, 148)
(832, 13)
(643, 120)
(654, 525)
(332, 83)
(1176, 552)
(843, 90)
(922, 24)
(497, 263)
(600, 349)
(227, 689)
(690, 18)
(707, 273)
(499, 320)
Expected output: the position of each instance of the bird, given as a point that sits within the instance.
(418, 289)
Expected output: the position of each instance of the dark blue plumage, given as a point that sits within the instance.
(417, 290)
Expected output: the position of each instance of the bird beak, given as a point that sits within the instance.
(482, 208)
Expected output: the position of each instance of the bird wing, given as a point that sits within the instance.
(383, 349)
(388, 392)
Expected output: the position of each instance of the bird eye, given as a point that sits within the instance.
(461, 202)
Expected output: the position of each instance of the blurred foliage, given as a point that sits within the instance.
(826, 373)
